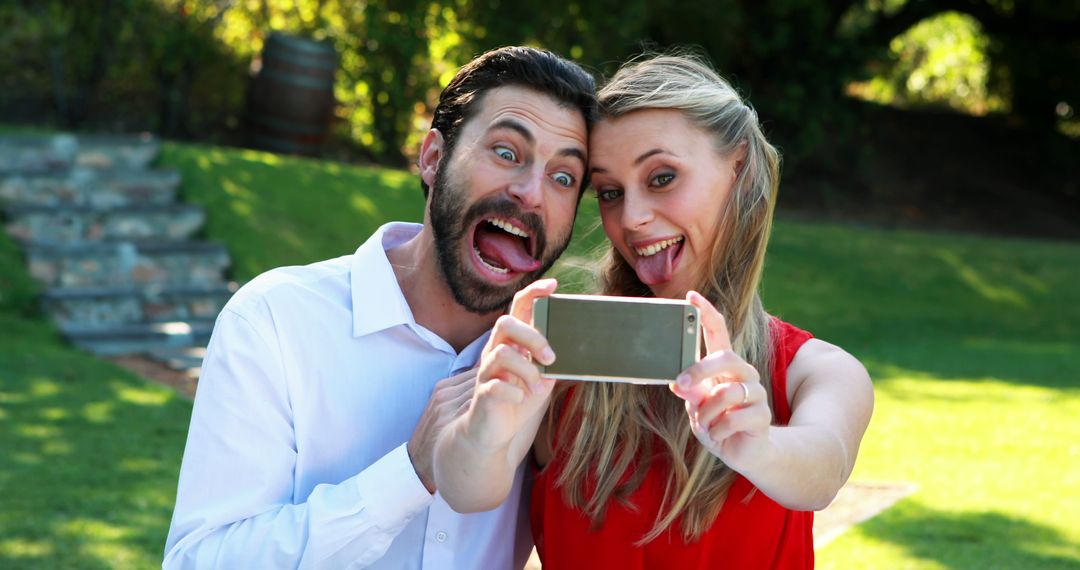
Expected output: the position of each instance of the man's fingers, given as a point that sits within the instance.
(462, 387)
(503, 392)
(461, 392)
(713, 323)
(508, 365)
(463, 406)
(512, 331)
(522, 307)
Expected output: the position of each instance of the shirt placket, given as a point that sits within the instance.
(441, 535)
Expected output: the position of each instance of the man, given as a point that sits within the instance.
(311, 438)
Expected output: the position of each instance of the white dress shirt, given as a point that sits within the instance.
(313, 382)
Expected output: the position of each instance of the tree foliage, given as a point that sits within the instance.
(181, 66)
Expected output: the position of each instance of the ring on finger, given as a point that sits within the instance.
(745, 394)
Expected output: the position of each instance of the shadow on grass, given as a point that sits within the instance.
(968, 540)
(91, 457)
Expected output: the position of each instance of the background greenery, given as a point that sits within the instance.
(184, 64)
(971, 342)
(937, 113)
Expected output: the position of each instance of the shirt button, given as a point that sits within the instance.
(440, 536)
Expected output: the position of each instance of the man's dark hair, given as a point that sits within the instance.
(542, 70)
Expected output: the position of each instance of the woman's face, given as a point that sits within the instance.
(661, 186)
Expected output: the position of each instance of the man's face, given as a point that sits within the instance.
(503, 202)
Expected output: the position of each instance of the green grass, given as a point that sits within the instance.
(972, 345)
(971, 342)
(90, 452)
(273, 210)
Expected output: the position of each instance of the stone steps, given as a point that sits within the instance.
(59, 152)
(88, 187)
(188, 358)
(102, 232)
(145, 338)
(47, 225)
(134, 305)
(151, 263)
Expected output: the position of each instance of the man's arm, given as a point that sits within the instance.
(236, 506)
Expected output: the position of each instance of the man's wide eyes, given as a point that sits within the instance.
(563, 179)
(506, 153)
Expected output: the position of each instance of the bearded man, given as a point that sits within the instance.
(325, 386)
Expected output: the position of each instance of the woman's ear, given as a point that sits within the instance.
(739, 159)
(430, 153)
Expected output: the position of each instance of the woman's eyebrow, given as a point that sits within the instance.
(637, 161)
(647, 154)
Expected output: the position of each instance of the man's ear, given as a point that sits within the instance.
(430, 153)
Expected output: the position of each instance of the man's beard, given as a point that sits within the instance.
(451, 223)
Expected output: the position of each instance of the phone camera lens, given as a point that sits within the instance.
(690, 318)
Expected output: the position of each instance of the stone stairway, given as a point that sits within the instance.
(113, 250)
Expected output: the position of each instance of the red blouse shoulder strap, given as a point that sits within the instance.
(787, 339)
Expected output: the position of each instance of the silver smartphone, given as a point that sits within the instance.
(618, 339)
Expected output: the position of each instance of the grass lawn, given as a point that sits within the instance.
(970, 341)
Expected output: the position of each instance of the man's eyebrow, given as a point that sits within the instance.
(516, 127)
(574, 152)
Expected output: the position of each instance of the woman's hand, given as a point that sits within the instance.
(725, 401)
(511, 395)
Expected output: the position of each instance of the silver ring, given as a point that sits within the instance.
(745, 394)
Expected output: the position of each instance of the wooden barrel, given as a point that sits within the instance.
(290, 102)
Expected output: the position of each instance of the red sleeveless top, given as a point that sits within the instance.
(751, 531)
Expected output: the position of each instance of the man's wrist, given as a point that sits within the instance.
(425, 481)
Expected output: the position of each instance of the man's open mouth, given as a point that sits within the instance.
(504, 246)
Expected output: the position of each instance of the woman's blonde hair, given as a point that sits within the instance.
(621, 425)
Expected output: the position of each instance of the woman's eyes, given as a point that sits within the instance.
(662, 179)
(506, 153)
(608, 194)
(658, 181)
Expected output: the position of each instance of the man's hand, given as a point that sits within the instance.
(511, 395)
(449, 399)
(478, 454)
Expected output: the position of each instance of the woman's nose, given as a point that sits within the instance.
(637, 212)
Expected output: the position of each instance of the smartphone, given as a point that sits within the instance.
(618, 339)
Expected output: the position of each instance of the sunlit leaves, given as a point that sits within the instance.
(941, 61)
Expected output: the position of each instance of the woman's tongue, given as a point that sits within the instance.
(505, 250)
(656, 268)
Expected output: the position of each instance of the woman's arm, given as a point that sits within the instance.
(811, 458)
(802, 465)
(477, 455)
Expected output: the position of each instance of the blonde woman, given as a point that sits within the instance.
(727, 466)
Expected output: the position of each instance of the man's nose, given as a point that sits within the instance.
(528, 189)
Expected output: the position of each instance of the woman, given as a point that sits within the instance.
(727, 467)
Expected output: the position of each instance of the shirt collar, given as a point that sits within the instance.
(377, 300)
